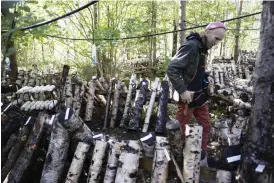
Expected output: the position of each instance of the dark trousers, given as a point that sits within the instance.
(202, 116)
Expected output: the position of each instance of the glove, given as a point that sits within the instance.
(187, 96)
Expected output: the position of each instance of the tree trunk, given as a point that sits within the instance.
(182, 21)
(160, 161)
(22, 164)
(258, 149)
(162, 116)
(153, 27)
(151, 105)
(175, 36)
(97, 161)
(77, 163)
(237, 34)
(192, 153)
(131, 88)
(128, 162)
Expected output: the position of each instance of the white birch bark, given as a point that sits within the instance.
(89, 107)
(223, 176)
(115, 104)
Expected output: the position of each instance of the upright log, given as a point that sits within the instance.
(23, 162)
(148, 144)
(175, 139)
(115, 104)
(138, 106)
(128, 162)
(192, 153)
(104, 83)
(162, 111)
(77, 163)
(56, 155)
(97, 161)
(112, 165)
(132, 85)
(108, 102)
(160, 161)
(68, 92)
(90, 103)
(151, 104)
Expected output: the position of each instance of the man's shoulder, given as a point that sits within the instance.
(193, 43)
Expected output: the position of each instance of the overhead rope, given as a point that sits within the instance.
(149, 35)
(55, 19)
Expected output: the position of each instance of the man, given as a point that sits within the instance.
(186, 71)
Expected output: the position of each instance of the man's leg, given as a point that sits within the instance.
(202, 116)
(184, 119)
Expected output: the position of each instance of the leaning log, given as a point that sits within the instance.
(23, 162)
(75, 126)
(56, 155)
(162, 111)
(175, 138)
(128, 162)
(115, 104)
(151, 105)
(5, 151)
(132, 85)
(160, 160)
(77, 163)
(192, 153)
(108, 102)
(138, 106)
(16, 149)
(112, 164)
(97, 161)
(90, 103)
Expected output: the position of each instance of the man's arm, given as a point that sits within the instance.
(179, 63)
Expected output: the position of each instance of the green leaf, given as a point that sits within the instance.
(26, 8)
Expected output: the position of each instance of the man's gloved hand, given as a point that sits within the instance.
(186, 96)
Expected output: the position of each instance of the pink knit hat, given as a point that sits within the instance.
(215, 25)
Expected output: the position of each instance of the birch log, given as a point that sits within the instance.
(151, 104)
(68, 92)
(234, 136)
(132, 85)
(98, 84)
(75, 126)
(5, 151)
(103, 83)
(128, 162)
(108, 102)
(77, 163)
(97, 161)
(239, 103)
(115, 104)
(148, 144)
(80, 99)
(176, 139)
(192, 153)
(160, 161)
(23, 162)
(223, 176)
(90, 103)
(162, 110)
(56, 155)
(112, 165)
(76, 96)
(138, 106)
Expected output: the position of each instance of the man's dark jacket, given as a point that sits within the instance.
(182, 67)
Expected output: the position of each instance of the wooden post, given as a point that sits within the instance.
(160, 161)
(192, 153)
(77, 163)
(151, 104)
(97, 161)
(128, 162)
